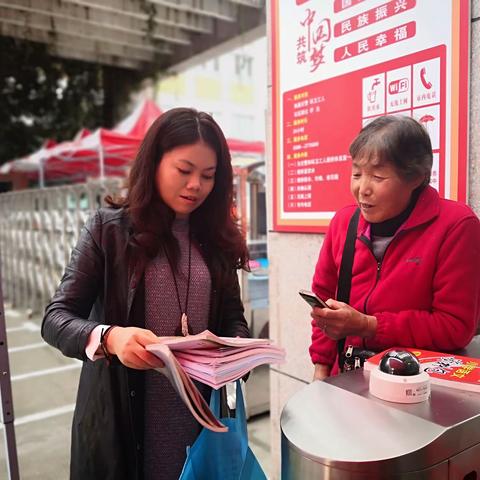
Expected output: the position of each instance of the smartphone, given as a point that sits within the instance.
(312, 299)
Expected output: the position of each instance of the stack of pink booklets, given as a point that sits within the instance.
(212, 360)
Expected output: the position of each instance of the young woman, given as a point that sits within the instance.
(415, 280)
(162, 261)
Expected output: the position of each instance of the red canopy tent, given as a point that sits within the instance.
(107, 152)
(111, 152)
(137, 124)
(103, 152)
(31, 164)
(242, 146)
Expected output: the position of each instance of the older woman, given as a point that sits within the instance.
(415, 275)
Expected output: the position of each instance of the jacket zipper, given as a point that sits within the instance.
(349, 351)
(379, 268)
(377, 277)
(346, 366)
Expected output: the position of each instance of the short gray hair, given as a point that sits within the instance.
(398, 140)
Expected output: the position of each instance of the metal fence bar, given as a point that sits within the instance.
(38, 229)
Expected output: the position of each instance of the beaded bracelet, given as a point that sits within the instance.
(103, 342)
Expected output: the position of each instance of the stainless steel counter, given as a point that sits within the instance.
(336, 429)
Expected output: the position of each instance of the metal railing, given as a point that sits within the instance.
(38, 229)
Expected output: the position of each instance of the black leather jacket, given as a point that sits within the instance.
(104, 285)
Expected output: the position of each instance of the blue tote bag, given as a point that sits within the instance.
(223, 455)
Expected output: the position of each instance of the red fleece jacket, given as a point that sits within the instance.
(426, 291)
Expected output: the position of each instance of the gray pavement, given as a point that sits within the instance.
(44, 385)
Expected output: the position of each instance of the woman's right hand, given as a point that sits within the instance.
(128, 344)
(321, 372)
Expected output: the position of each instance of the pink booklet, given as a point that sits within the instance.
(207, 339)
(187, 390)
(212, 360)
(217, 361)
(226, 355)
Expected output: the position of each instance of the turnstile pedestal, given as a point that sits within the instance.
(336, 430)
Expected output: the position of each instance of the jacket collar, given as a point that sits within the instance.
(426, 209)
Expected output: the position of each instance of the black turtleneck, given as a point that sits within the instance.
(388, 227)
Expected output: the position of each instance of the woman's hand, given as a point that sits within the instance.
(341, 320)
(321, 372)
(128, 344)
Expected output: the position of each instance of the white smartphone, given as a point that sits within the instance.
(312, 299)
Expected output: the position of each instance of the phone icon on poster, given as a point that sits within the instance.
(423, 78)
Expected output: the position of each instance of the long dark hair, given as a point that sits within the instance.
(213, 224)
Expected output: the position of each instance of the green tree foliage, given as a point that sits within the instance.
(44, 97)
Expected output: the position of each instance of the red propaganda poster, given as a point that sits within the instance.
(446, 369)
(338, 64)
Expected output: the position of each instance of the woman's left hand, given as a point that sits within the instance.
(341, 320)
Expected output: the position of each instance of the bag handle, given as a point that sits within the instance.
(345, 275)
(218, 402)
(240, 414)
(215, 402)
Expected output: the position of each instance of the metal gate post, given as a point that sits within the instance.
(6, 395)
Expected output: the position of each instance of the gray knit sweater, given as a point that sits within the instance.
(169, 425)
